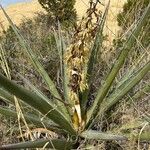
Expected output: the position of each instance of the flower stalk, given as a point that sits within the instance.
(77, 57)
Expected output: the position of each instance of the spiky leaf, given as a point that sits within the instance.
(124, 89)
(96, 47)
(97, 135)
(48, 109)
(29, 118)
(36, 64)
(42, 143)
(103, 90)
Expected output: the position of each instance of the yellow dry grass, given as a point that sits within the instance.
(19, 11)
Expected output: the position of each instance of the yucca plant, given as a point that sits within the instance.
(67, 115)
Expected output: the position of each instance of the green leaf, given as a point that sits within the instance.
(144, 136)
(32, 119)
(39, 93)
(3, 62)
(6, 96)
(131, 70)
(124, 89)
(29, 118)
(42, 143)
(34, 89)
(131, 125)
(127, 130)
(141, 93)
(97, 44)
(61, 47)
(97, 135)
(32, 99)
(92, 60)
(37, 64)
(103, 90)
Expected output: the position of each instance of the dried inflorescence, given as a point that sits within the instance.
(78, 54)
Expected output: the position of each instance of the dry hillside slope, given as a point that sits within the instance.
(19, 11)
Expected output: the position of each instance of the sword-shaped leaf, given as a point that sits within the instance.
(97, 135)
(36, 64)
(42, 143)
(124, 89)
(61, 47)
(103, 90)
(6, 96)
(92, 60)
(29, 118)
(32, 119)
(48, 109)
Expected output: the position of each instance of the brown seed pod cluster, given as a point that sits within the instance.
(78, 52)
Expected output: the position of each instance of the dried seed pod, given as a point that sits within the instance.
(77, 57)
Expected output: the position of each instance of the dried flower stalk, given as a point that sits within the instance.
(77, 57)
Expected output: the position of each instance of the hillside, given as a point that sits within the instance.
(19, 11)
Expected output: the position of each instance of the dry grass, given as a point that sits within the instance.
(19, 11)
